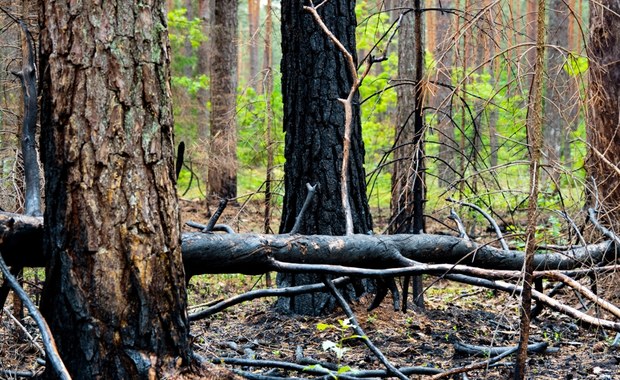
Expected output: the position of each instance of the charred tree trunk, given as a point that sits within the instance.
(27, 76)
(222, 171)
(314, 77)
(114, 294)
(603, 126)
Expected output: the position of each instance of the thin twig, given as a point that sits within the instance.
(19, 324)
(300, 216)
(486, 363)
(459, 225)
(218, 227)
(606, 232)
(488, 217)
(279, 292)
(46, 335)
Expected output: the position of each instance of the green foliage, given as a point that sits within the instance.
(180, 31)
(252, 115)
(576, 65)
(337, 347)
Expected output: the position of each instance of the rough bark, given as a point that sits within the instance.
(407, 174)
(114, 294)
(222, 171)
(314, 77)
(603, 130)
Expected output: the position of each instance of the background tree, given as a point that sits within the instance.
(314, 77)
(604, 100)
(222, 170)
(407, 203)
(114, 294)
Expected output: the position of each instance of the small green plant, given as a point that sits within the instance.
(337, 348)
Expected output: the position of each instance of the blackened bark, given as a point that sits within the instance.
(604, 99)
(314, 77)
(27, 76)
(252, 253)
(114, 294)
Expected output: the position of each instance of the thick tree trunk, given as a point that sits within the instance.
(314, 77)
(603, 123)
(222, 172)
(114, 294)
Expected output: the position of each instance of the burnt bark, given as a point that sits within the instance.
(314, 77)
(603, 130)
(27, 76)
(114, 294)
(254, 253)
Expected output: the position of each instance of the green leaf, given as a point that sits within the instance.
(576, 64)
(344, 369)
(323, 326)
(345, 323)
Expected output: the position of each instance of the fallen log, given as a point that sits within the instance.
(253, 253)
(21, 242)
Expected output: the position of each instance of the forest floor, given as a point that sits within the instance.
(454, 313)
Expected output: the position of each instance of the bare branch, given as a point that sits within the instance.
(48, 340)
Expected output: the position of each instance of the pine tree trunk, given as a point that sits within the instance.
(114, 294)
(604, 99)
(253, 38)
(222, 172)
(558, 88)
(314, 77)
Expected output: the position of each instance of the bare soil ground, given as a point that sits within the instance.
(454, 313)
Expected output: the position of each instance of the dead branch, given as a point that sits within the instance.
(500, 353)
(261, 293)
(51, 352)
(358, 330)
(488, 217)
(300, 216)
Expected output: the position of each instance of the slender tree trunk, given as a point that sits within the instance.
(268, 90)
(314, 77)
(222, 171)
(557, 89)
(535, 146)
(445, 58)
(203, 67)
(253, 28)
(188, 50)
(114, 295)
(407, 202)
(604, 100)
